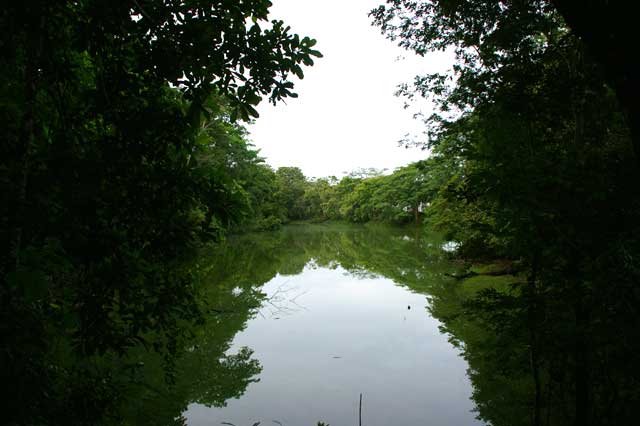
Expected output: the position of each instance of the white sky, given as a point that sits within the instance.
(347, 116)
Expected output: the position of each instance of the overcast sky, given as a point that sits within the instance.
(347, 116)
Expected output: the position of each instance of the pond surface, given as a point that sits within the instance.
(337, 311)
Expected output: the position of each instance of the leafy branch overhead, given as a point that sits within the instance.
(227, 45)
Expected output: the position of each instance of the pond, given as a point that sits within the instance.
(332, 312)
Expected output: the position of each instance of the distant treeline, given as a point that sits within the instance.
(362, 196)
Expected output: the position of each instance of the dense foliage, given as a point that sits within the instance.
(121, 156)
(537, 165)
(118, 159)
(362, 196)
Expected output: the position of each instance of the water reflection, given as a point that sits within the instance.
(343, 314)
(205, 373)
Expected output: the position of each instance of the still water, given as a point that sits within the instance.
(335, 312)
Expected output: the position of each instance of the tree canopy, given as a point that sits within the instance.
(536, 159)
(120, 157)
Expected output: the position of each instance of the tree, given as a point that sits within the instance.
(607, 29)
(118, 161)
(317, 196)
(291, 184)
(541, 171)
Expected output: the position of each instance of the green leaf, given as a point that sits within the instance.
(33, 284)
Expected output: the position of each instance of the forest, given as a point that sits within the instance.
(125, 161)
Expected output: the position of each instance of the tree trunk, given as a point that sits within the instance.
(581, 353)
(533, 338)
(27, 137)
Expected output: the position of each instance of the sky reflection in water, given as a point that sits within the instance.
(328, 336)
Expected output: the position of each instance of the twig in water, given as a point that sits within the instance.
(280, 304)
(360, 412)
